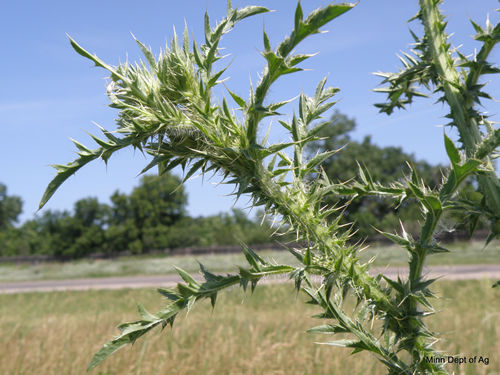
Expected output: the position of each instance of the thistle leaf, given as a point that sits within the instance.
(194, 168)
(237, 99)
(94, 58)
(451, 150)
(146, 316)
(396, 239)
(66, 171)
(328, 329)
(133, 332)
(187, 277)
(250, 11)
(252, 258)
(148, 54)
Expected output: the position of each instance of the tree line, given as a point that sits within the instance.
(153, 215)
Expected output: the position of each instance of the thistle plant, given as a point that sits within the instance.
(436, 65)
(167, 109)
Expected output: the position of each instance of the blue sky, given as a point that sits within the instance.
(50, 93)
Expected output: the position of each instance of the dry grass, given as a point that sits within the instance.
(57, 333)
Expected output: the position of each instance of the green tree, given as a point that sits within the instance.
(386, 164)
(54, 233)
(231, 227)
(73, 234)
(11, 238)
(88, 225)
(122, 233)
(158, 201)
(10, 208)
(144, 219)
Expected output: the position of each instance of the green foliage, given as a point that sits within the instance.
(142, 220)
(64, 234)
(222, 229)
(10, 236)
(167, 111)
(10, 208)
(385, 164)
(151, 217)
(132, 222)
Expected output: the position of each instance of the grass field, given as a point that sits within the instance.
(461, 253)
(57, 333)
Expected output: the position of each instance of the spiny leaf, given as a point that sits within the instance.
(174, 163)
(169, 293)
(209, 276)
(311, 25)
(199, 58)
(134, 331)
(237, 99)
(214, 79)
(318, 159)
(359, 345)
(451, 150)
(328, 329)
(252, 258)
(397, 286)
(213, 299)
(297, 254)
(156, 160)
(250, 11)
(66, 171)
(185, 40)
(276, 148)
(433, 202)
(470, 166)
(308, 257)
(186, 277)
(148, 54)
(94, 58)
(193, 169)
(318, 128)
(267, 44)
(146, 316)
(396, 239)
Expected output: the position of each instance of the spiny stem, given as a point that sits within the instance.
(467, 126)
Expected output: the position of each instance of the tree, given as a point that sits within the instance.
(230, 228)
(10, 208)
(158, 201)
(386, 164)
(54, 233)
(88, 226)
(63, 233)
(144, 219)
(11, 238)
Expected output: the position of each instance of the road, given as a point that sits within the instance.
(462, 272)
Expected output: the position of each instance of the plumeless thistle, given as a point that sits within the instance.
(166, 109)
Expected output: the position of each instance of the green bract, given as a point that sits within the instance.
(166, 109)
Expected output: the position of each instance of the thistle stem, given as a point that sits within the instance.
(467, 126)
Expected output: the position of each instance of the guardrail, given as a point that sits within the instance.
(450, 237)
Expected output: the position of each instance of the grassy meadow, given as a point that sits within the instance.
(58, 332)
(461, 253)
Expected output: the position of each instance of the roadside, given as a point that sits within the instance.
(463, 253)
(463, 272)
